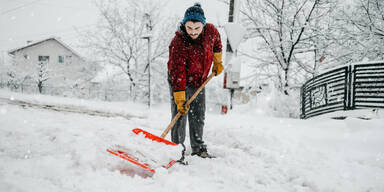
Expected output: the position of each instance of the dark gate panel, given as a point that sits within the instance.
(344, 88)
(368, 86)
(324, 93)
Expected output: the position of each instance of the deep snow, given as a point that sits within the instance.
(45, 150)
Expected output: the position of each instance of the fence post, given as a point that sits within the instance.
(302, 98)
(350, 88)
(353, 80)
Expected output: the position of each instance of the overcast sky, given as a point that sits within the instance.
(23, 20)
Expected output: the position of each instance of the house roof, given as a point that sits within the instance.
(13, 51)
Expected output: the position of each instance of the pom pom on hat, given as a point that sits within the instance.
(194, 13)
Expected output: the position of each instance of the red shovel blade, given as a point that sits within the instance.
(136, 161)
(125, 155)
(153, 137)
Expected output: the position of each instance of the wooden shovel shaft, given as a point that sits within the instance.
(178, 115)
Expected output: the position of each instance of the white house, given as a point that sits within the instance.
(50, 60)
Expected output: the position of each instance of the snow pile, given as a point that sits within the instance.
(271, 102)
(46, 150)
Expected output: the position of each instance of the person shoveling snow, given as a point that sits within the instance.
(193, 49)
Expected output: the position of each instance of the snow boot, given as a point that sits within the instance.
(202, 152)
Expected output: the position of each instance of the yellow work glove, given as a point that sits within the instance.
(179, 98)
(217, 63)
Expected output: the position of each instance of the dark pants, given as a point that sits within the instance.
(195, 116)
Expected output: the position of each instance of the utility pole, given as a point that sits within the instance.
(147, 17)
(229, 51)
(235, 33)
(228, 55)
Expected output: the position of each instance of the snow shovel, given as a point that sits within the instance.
(131, 158)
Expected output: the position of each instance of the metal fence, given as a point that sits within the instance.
(345, 88)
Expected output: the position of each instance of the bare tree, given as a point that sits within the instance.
(285, 29)
(19, 74)
(42, 75)
(362, 31)
(118, 38)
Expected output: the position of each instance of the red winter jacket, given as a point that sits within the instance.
(190, 60)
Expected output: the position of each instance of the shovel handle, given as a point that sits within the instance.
(178, 115)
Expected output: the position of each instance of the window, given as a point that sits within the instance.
(68, 59)
(61, 59)
(44, 58)
(26, 56)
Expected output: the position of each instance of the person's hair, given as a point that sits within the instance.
(194, 20)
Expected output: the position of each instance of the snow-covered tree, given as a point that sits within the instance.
(287, 36)
(119, 39)
(362, 30)
(42, 75)
(22, 74)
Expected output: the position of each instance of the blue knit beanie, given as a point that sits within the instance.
(194, 13)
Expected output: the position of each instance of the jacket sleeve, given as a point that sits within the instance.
(177, 65)
(217, 47)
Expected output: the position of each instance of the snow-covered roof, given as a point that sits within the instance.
(13, 51)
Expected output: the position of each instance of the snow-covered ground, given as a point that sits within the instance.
(46, 150)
